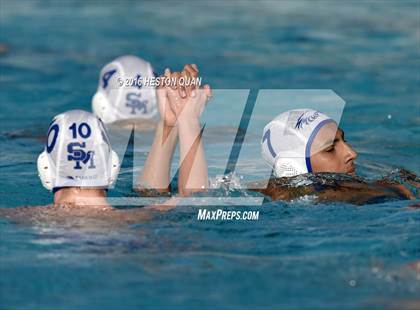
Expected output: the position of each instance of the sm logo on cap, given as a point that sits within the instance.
(77, 154)
(134, 103)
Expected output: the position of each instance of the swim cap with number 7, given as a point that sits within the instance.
(287, 139)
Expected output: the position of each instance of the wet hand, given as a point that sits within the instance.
(167, 115)
(188, 102)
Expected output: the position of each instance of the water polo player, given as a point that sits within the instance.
(78, 161)
(78, 165)
(123, 97)
(305, 141)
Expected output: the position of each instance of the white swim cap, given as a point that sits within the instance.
(287, 140)
(77, 153)
(121, 93)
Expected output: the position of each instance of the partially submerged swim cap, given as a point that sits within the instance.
(287, 140)
(77, 153)
(121, 93)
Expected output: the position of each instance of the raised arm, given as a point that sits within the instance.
(193, 166)
(156, 171)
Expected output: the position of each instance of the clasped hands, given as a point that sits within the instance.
(183, 101)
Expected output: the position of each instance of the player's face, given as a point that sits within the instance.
(331, 153)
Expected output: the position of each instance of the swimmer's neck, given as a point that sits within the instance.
(81, 197)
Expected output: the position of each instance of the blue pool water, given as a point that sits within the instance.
(298, 255)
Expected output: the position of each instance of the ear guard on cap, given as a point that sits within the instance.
(289, 167)
(115, 168)
(44, 171)
(101, 107)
